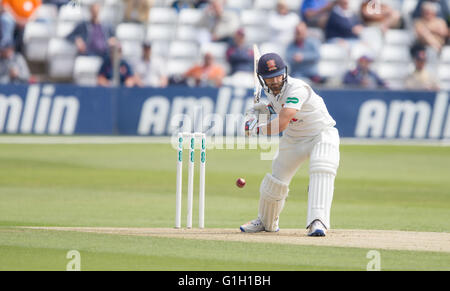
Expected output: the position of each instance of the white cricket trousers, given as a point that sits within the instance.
(323, 151)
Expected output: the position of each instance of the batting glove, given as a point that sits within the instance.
(251, 127)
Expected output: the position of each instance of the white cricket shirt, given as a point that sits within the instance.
(312, 115)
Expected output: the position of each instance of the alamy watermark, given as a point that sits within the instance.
(225, 133)
(375, 261)
(75, 261)
(74, 3)
(374, 7)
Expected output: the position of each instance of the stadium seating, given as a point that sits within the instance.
(444, 76)
(334, 62)
(267, 47)
(408, 7)
(394, 53)
(177, 39)
(294, 5)
(88, 2)
(238, 4)
(333, 69)
(396, 4)
(163, 3)
(189, 16)
(163, 15)
(333, 52)
(179, 66)
(249, 17)
(160, 48)
(445, 55)
(398, 37)
(217, 49)
(316, 33)
(130, 31)
(255, 34)
(86, 70)
(36, 39)
(184, 49)
(63, 29)
(111, 15)
(355, 4)
(60, 58)
(444, 72)
(46, 12)
(240, 80)
(393, 72)
(111, 2)
(360, 50)
(157, 32)
(264, 4)
(187, 33)
(132, 50)
(373, 38)
(70, 14)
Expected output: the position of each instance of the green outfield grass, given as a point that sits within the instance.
(133, 185)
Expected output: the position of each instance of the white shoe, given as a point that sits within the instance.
(316, 228)
(253, 226)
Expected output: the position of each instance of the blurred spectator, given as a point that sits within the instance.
(137, 10)
(58, 3)
(206, 74)
(442, 12)
(431, 30)
(21, 10)
(363, 76)
(105, 76)
(239, 54)
(315, 12)
(92, 37)
(13, 67)
(221, 24)
(303, 55)
(343, 24)
(181, 4)
(7, 25)
(200, 4)
(150, 71)
(421, 79)
(282, 22)
(380, 15)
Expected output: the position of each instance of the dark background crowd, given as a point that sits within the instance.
(373, 44)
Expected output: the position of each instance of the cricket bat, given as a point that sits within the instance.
(257, 89)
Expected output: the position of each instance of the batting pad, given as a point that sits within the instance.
(271, 202)
(322, 172)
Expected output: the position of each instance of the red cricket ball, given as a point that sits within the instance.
(240, 182)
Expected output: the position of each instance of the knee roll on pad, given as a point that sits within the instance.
(324, 159)
(272, 198)
(273, 189)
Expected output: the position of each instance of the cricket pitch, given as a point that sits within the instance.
(370, 239)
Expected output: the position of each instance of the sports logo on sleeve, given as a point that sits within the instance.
(292, 100)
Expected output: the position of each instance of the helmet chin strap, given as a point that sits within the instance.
(266, 87)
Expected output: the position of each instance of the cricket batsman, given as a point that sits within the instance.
(308, 132)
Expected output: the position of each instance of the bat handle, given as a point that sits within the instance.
(256, 96)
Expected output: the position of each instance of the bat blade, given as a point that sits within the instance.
(257, 89)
